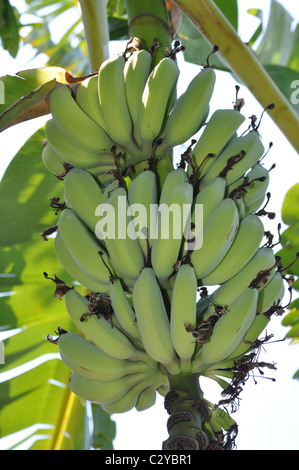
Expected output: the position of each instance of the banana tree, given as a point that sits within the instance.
(28, 304)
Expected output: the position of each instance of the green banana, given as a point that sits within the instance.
(249, 143)
(123, 309)
(136, 71)
(71, 153)
(147, 398)
(241, 208)
(171, 229)
(257, 189)
(247, 240)
(121, 239)
(188, 112)
(153, 321)
(52, 161)
(128, 400)
(143, 193)
(103, 392)
(253, 208)
(86, 359)
(88, 100)
(112, 97)
(75, 124)
(183, 311)
(228, 330)
(157, 94)
(221, 126)
(273, 292)
(173, 179)
(74, 269)
(98, 330)
(210, 198)
(217, 237)
(83, 195)
(77, 236)
(224, 295)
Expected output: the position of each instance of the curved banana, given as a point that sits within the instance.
(74, 270)
(71, 153)
(173, 179)
(183, 311)
(217, 237)
(52, 161)
(128, 400)
(75, 124)
(271, 294)
(86, 359)
(152, 320)
(143, 197)
(98, 330)
(241, 208)
(147, 398)
(210, 198)
(76, 236)
(249, 143)
(136, 71)
(171, 229)
(221, 126)
(229, 330)
(189, 111)
(247, 240)
(257, 188)
(83, 195)
(103, 392)
(123, 309)
(87, 99)
(112, 97)
(253, 208)
(120, 238)
(263, 260)
(156, 97)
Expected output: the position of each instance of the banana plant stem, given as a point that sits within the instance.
(94, 17)
(211, 22)
(187, 409)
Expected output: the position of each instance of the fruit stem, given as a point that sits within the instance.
(187, 409)
(94, 17)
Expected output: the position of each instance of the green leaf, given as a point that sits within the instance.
(284, 77)
(104, 428)
(289, 210)
(26, 188)
(9, 28)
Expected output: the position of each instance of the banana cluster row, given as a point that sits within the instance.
(145, 320)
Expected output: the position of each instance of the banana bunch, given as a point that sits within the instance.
(143, 236)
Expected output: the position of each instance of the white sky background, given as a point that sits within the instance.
(268, 417)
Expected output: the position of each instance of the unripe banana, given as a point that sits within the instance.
(173, 179)
(189, 111)
(221, 126)
(147, 398)
(210, 198)
(83, 195)
(253, 208)
(273, 292)
(121, 239)
(241, 208)
(86, 359)
(257, 189)
(153, 321)
(143, 192)
(72, 153)
(136, 71)
(247, 240)
(74, 269)
(75, 124)
(228, 330)
(157, 95)
(218, 236)
(76, 236)
(98, 330)
(171, 230)
(103, 392)
(183, 311)
(52, 161)
(128, 400)
(249, 143)
(88, 100)
(113, 102)
(123, 309)
(225, 294)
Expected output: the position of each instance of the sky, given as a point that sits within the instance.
(268, 416)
